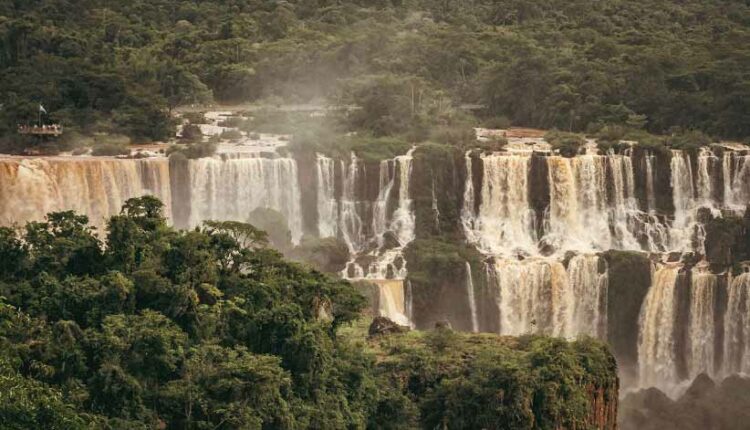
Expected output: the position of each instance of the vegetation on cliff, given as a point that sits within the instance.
(158, 328)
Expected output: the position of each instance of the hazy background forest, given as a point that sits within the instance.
(107, 66)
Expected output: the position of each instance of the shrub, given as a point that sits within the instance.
(195, 117)
(460, 136)
(191, 132)
(193, 150)
(493, 144)
(688, 140)
(231, 134)
(497, 122)
(567, 144)
(232, 122)
(109, 150)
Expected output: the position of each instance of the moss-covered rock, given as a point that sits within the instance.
(438, 279)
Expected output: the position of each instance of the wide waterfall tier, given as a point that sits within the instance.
(230, 188)
(542, 296)
(533, 204)
(97, 187)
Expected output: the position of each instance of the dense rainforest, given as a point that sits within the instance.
(211, 329)
(99, 66)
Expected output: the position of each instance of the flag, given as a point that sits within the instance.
(42, 109)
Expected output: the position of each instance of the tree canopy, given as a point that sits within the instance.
(121, 67)
(143, 326)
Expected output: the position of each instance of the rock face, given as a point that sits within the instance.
(705, 405)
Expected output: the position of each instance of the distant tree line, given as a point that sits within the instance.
(103, 66)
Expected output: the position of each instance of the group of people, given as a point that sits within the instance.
(52, 128)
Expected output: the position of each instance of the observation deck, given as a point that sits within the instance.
(53, 130)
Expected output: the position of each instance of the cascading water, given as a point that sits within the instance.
(586, 297)
(328, 206)
(702, 324)
(392, 301)
(230, 188)
(96, 187)
(736, 176)
(737, 326)
(529, 296)
(385, 257)
(526, 213)
(686, 232)
(650, 179)
(540, 296)
(470, 297)
(656, 340)
(505, 221)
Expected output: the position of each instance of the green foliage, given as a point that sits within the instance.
(497, 122)
(210, 328)
(192, 328)
(192, 151)
(342, 146)
(483, 381)
(110, 149)
(195, 117)
(231, 134)
(191, 133)
(566, 144)
(552, 64)
(688, 140)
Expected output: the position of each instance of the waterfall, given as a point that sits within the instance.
(683, 194)
(231, 188)
(385, 257)
(737, 326)
(97, 187)
(403, 222)
(467, 210)
(409, 303)
(703, 184)
(386, 179)
(736, 174)
(350, 222)
(471, 299)
(581, 216)
(586, 297)
(327, 204)
(391, 301)
(650, 177)
(701, 326)
(656, 340)
(505, 219)
(539, 296)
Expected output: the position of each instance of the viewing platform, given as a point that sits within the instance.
(53, 130)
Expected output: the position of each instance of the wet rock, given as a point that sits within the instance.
(702, 386)
(674, 257)
(390, 240)
(546, 248)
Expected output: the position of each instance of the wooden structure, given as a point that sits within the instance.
(52, 130)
